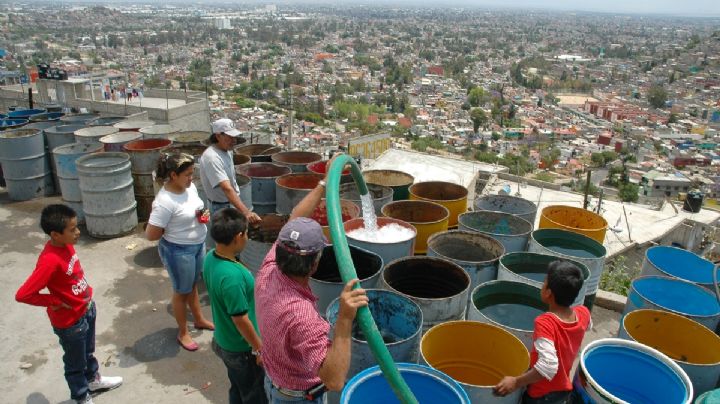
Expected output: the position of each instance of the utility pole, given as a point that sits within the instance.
(290, 129)
(587, 190)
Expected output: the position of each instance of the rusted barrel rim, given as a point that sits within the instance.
(457, 269)
(452, 233)
(314, 167)
(372, 173)
(509, 216)
(263, 170)
(580, 211)
(703, 329)
(284, 181)
(296, 157)
(146, 145)
(433, 205)
(418, 188)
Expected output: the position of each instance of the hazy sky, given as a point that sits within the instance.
(677, 7)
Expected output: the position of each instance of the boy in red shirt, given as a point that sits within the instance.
(69, 302)
(556, 340)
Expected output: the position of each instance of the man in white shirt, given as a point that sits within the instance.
(217, 172)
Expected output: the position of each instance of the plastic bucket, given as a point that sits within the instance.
(296, 160)
(427, 217)
(291, 188)
(452, 196)
(438, 286)
(263, 176)
(577, 220)
(477, 356)
(326, 283)
(397, 180)
(618, 371)
(678, 263)
(381, 194)
(348, 210)
(389, 250)
(676, 296)
(261, 237)
(531, 268)
(428, 385)
(574, 246)
(692, 346)
(508, 204)
(510, 230)
(476, 253)
(510, 305)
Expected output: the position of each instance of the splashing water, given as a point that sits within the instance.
(390, 233)
(368, 213)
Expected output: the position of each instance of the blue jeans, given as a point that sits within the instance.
(78, 343)
(246, 377)
(184, 264)
(277, 397)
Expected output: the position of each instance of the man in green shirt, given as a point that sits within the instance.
(231, 289)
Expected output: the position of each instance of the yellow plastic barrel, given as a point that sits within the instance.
(452, 196)
(694, 347)
(427, 217)
(476, 355)
(576, 220)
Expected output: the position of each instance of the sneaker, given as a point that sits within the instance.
(104, 383)
(86, 400)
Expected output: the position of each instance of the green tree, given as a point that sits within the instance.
(597, 159)
(476, 96)
(628, 192)
(657, 96)
(479, 118)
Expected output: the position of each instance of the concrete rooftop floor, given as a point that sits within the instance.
(135, 328)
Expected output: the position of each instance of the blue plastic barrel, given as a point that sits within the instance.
(676, 296)
(12, 123)
(25, 113)
(678, 263)
(430, 386)
(617, 371)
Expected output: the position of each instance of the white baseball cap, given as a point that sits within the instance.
(226, 126)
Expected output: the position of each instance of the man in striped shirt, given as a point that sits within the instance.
(300, 360)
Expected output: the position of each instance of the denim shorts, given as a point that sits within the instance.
(184, 263)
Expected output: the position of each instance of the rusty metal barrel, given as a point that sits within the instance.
(144, 155)
(296, 160)
(292, 188)
(263, 176)
(259, 152)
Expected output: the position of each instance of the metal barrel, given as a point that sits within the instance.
(263, 176)
(326, 283)
(476, 253)
(93, 134)
(531, 268)
(508, 204)
(477, 356)
(397, 180)
(79, 119)
(694, 347)
(513, 306)
(574, 246)
(245, 186)
(296, 160)
(259, 152)
(388, 250)
(510, 230)
(427, 217)
(292, 188)
(399, 321)
(46, 117)
(381, 194)
(320, 167)
(106, 185)
(440, 287)
(25, 113)
(370, 386)
(576, 220)
(240, 160)
(26, 165)
(144, 155)
(67, 174)
(678, 263)
(162, 131)
(348, 211)
(61, 134)
(53, 107)
(115, 142)
(14, 123)
(261, 237)
(452, 196)
(676, 296)
(132, 126)
(192, 137)
(106, 121)
(613, 370)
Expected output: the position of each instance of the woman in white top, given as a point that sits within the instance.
(178, 220)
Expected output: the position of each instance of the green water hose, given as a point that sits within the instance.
(347, 272)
